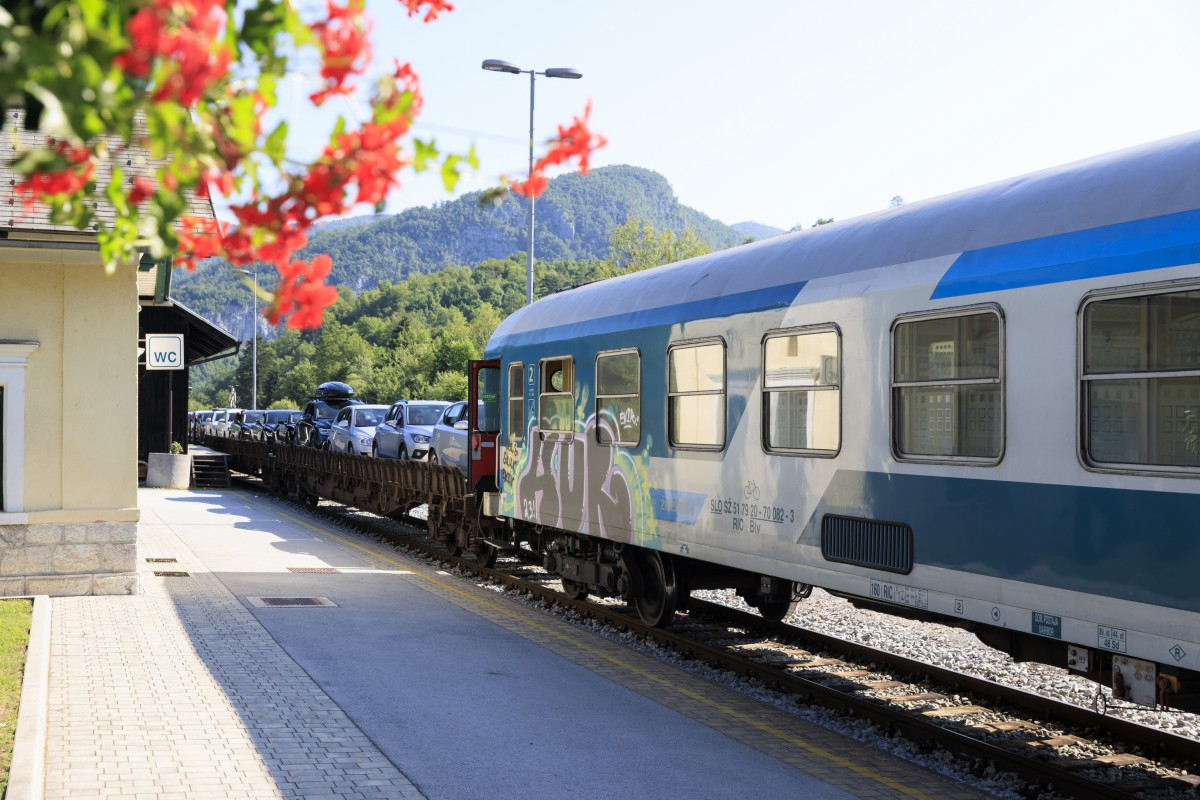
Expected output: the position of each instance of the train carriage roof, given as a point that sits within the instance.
(1141, 183)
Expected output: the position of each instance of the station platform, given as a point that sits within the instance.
(287, 657)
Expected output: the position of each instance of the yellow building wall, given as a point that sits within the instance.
(81, 383)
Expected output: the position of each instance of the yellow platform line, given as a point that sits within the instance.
(733, 713)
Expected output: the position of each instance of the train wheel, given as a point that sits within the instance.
(439, 527)
(485, 554)
(574, 589)
(776, 610)
(659, 595)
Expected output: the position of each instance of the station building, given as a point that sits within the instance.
(69, 398)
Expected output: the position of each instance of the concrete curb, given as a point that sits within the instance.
(27, 776)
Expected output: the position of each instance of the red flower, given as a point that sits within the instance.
(345, 50)
(575, 142)
(199, 238)
(302, 294)
(186, 38)
(533, 187)
(74, 171)
(435, 7)
(144, 29)
(143, 187)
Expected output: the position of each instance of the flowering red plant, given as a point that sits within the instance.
(574, 142)
(187, 84)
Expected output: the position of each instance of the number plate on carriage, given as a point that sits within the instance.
(899, 593)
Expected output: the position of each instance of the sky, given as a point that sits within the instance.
(784, 112)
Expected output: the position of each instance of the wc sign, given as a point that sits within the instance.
(164, 351)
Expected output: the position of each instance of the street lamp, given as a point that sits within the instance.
(496, 65)
(254, 327)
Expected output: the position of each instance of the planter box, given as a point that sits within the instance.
(169, 471)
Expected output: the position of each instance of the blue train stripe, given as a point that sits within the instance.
(620, 321)
(1126, 544)
(1168, 241)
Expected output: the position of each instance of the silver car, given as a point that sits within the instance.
(407, 429)
(210, 424)
(225, 422)
(354, 429)
(449, 445)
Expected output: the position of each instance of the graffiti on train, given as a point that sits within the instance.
(572, 482)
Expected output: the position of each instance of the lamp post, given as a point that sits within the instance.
(254, 328)
(496, 65)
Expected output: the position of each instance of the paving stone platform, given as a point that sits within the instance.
(409, 683)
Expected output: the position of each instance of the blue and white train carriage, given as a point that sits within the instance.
(984, 408)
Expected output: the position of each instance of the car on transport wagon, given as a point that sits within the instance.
(407, 430)
(448, 444)
(353, 430)
(241, 427)
(315, 423)
(264, 429)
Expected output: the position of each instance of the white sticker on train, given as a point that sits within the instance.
(1111, 638)
(899, 593)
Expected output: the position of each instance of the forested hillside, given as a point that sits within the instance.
(405, 340)
(575, 219)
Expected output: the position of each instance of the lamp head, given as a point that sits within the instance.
(496, 65)
(563, 72)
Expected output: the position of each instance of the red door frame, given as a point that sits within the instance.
(483, 463)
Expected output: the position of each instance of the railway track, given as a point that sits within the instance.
(1051, 745)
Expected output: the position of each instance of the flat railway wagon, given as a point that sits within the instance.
(982, 409)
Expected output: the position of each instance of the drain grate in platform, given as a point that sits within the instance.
(316, 570)
(165, 574)
(290, 602)
(161, 561)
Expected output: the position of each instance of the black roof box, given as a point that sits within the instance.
(334, 389)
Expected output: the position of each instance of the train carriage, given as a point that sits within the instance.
(983, 408)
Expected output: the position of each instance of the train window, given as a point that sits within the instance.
(619, 398)
(947, 387)
(802, 397)
(487, 399)
(696, 394)
(516, 401)
(1141, 380)
(556, 396)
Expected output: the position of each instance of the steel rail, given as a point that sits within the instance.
(1160, 744)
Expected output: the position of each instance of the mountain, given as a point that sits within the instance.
(756, 230)
(574, 220)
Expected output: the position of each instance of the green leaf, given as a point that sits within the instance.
(115, 192)
(450, 173)
(424, 152)
(275, 145)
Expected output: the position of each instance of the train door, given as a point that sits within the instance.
(483, 402)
